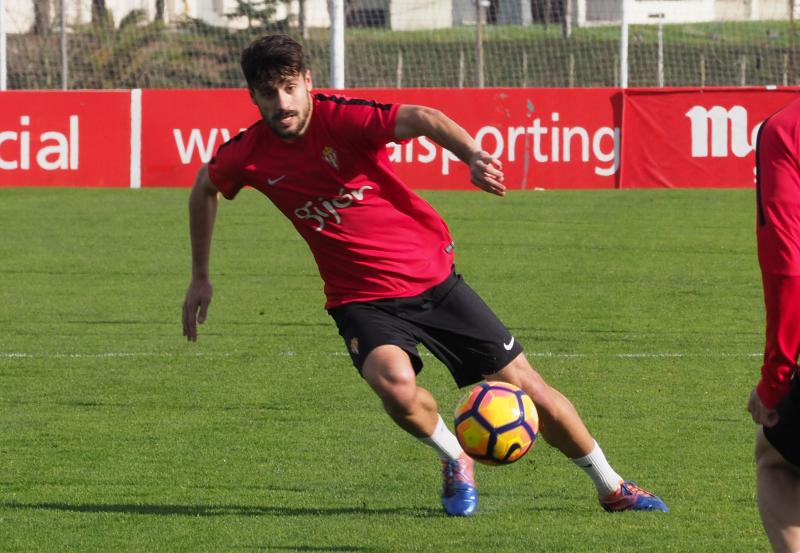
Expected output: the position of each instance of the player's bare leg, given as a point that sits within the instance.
(388, 371)
(562, 427)
(559, 422)
(778, 487)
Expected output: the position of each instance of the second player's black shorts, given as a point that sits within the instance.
(450, 320)
(785, 436)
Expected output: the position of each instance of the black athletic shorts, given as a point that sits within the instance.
(450, 320)
(785, 436)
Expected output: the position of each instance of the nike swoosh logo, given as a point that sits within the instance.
(509, 345)
(273, 182)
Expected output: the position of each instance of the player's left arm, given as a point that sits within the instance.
(486, 172)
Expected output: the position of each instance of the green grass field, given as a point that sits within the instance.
(644, 307)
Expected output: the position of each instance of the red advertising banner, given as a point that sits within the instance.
(182, 129)
(53, 138)
(694, 138)
(546, 138)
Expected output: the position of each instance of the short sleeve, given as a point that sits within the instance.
(380, 123)
(223, 169)
(369, 122)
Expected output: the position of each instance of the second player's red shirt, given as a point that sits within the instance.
(371, 236)
(778, 202)
(779, 192)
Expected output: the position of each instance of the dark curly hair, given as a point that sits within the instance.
(271, 59)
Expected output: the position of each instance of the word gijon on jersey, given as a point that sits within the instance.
(323, 210)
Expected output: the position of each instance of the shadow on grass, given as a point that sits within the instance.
(310, 548)
(222, 510)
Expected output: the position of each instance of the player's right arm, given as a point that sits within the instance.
(203, 204)
(486, 171)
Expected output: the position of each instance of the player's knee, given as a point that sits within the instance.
(391, 377)
(521, 373)
(398, 396)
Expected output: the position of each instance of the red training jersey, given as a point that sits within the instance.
(371, 236)
(778, 233)
(778, 185)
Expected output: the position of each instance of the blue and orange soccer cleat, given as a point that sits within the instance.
(459, 494)
(630, 497)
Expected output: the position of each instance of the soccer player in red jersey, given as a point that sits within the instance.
(385, 257)
(775, 401)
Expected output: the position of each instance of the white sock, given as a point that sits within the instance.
(605, 478)
(443, 442)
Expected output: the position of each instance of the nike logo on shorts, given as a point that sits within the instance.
(509, 345)
(273, 182)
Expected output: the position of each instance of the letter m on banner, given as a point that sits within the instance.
(698, 138)
(727, 129)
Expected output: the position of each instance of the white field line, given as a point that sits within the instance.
(654, 355)
(550, 354)
(106, 354)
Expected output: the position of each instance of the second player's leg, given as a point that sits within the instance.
(778, 486)
(560, 424)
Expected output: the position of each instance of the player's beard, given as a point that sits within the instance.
(295, 131)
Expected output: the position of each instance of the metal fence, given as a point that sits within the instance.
(53, 44)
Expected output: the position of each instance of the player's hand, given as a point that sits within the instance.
(486, 173)
(760, 413)
(195, 306)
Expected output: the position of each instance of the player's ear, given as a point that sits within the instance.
(309, 80)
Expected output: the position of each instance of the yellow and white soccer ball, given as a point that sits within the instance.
(496, 423)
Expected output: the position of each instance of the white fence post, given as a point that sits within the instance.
(336, 8)
(64, 52)
(623, 45)
(3, 60)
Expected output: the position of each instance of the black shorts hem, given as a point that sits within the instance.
(785, 436)
(413, 355)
